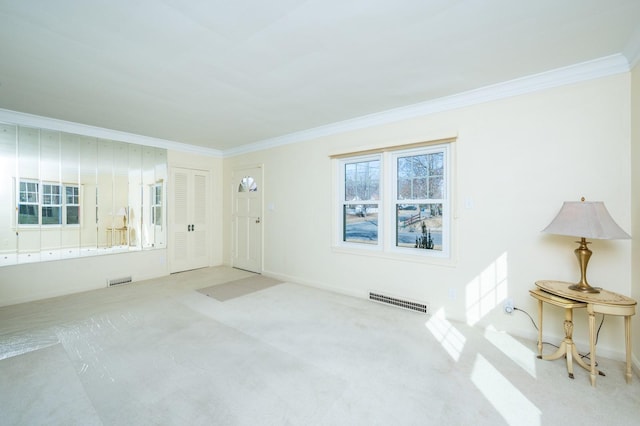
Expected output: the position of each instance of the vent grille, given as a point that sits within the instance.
(401, 303)
(118, 281)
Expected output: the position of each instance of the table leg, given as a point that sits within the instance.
(567, 348)
(592, 343)
(627, 338)
(540, 329)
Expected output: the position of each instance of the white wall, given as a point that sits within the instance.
(635, 198)
(34, 281)
(518, 159)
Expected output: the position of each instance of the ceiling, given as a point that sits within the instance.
(223, 74)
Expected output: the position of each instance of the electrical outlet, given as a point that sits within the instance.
(508, 306)
(453, 294)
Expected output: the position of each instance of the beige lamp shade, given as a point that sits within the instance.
(585, 219)
(588, 219)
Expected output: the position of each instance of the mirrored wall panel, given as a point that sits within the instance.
(64, 195)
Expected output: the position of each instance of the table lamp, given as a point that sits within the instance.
(123, 212)
(585, 219)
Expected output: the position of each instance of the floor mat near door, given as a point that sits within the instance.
(237, 288)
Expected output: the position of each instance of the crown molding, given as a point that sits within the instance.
(25, 119)
(602, 67)
(598, 68)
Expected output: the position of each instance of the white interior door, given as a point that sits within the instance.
(247, 219)
(189, 246)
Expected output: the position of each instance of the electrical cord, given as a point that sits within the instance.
(588, 354)
(534, 325)
(585, 356)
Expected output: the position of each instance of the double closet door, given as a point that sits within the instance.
(189, 246)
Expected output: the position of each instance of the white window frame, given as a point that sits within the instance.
(65, 218)
(388, 201)
(156, 205)
(343, 203)
(444, 200)
(50, 202)
(27, 202)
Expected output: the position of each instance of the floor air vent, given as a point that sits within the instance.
(118, 281)
(401, 303)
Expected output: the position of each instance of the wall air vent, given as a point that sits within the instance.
(118, 281)
(401, 303)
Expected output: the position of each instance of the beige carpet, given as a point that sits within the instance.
(237, 288)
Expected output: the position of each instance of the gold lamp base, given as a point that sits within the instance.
(584, 288)
(583, 254)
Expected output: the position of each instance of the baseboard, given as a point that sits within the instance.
(316, 284)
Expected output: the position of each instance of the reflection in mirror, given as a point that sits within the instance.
(8, 238)
(134, 219)
(50, 195)
(68, 195)
(28, 203)
(88, 195)
(70, 230)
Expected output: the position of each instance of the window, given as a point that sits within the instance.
(419, 199)
(156, 205)
(361, 193)
(47, 207)
(29, 203)
(51, 205)
(247, 184)
(397, 200)
(72, 205)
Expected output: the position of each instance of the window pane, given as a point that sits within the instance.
(51, 194)
(28, 192)
(28, 214)
(51, 215)
(247, 184)
(360, 223)
(362, 180)
(73, 217)
(420, 176)
(157, 216)
(71, 194)
(419, 226)
(436, 187)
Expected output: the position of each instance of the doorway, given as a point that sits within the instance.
(246, 219)
(189, 248)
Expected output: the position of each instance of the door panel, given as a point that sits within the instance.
(189, 248)
(247, 219)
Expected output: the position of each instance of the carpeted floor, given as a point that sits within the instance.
(161, 352)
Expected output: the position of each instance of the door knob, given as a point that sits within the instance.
(258, 220)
